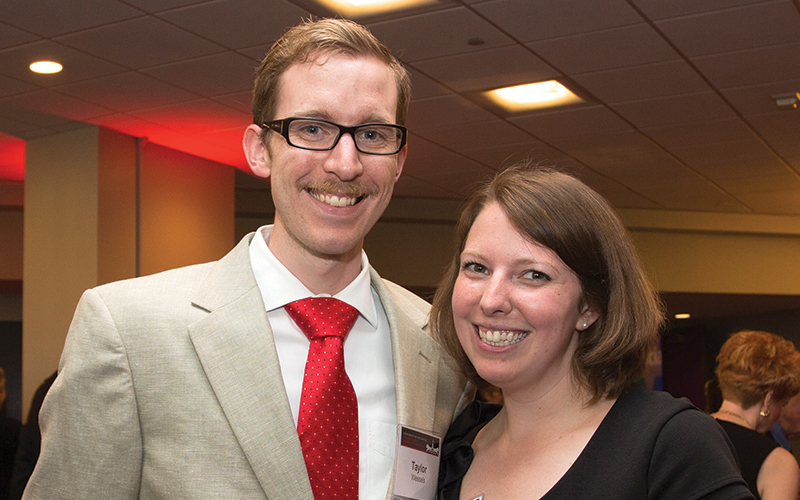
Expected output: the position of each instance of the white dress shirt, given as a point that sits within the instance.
(367, 358)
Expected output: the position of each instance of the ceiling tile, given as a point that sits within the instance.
(761, 183)
(152, 6)
(195, 117)
(56, 103)
(531, 20)
(786, 146)
(773, 202)
(645, 81)
(488, 69)
(78, 66)
(423, 86)
(574, 122)
(699, 133)
(502, 155)
(442, 111)
(12, 86)
(447, 169)
(411, 187)
(461, 136)
(49, 18)
(757, 99)
(240, 101)
(619, 155)
(127, 92)
(30, 118)
(718, 169)
(751, 67)
(232, 30)
(140, 43)
(607, 49)
(615, 193)
(437, 34)
(217, 74)
(778, 123)
(658, 9)
(11, 36)
(743, 149)
(696, 196)
(747, 27)
(660, 129)
(677, 110)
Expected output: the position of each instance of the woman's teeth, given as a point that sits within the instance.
(500, 338)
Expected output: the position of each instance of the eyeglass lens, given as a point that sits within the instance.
(313, 134)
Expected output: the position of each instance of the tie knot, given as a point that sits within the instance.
(321, 317)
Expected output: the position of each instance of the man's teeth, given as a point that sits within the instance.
(499, 338)
(333, 200)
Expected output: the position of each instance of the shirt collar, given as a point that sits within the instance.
(279, 286)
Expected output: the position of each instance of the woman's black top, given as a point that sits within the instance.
(649, 446)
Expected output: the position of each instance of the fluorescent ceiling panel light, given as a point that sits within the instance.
(533, 96)
(45, 67)
(364, 7)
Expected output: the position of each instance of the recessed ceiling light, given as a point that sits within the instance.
(363, 7)
(683, 316)
(45, 67)
(533, 96)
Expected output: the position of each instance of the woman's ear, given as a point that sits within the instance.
(256, 152)
(587, 318)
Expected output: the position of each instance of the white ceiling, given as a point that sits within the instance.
(678, 112)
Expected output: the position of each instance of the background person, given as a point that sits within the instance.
(787, 428)
(545, 299)
(9, 438)
(187, 384)
(30, 442)
(758, 373)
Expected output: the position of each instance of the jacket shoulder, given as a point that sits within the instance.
(416, 307)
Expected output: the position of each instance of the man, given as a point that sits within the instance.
(187, 384)
(787, 428)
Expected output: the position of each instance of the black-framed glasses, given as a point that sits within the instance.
(321, 135)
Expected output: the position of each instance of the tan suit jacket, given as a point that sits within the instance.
(169, 387)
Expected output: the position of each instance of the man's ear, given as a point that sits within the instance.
(401, 160)
(256, 153)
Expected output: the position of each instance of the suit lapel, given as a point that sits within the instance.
(416, 361)
(235, 346)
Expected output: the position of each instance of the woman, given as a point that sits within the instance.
(758, 374)
(546, 300)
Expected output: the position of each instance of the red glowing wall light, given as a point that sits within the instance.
(12, 159)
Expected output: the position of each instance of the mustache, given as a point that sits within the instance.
(353, 189)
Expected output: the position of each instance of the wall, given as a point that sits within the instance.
(718, 253)
(101, 207)
(187, 209)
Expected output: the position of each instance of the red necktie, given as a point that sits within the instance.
(328, 419)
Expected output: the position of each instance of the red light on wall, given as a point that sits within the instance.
(12, 159)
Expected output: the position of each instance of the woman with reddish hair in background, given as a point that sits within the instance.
(758, 373)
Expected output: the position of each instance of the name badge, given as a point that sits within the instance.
(416, 466)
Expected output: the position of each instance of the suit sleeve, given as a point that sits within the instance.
(694, 459)
(91, 439)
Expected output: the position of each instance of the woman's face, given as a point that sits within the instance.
(517, 307)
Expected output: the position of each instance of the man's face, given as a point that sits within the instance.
(790, 418)
(327, 201)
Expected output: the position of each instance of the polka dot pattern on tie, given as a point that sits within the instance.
(328, 419)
